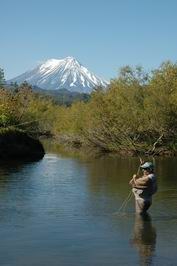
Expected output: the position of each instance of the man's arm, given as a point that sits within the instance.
(132, 181)
(139, 182)
(142, 181)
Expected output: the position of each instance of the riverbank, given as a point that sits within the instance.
(17, 144)
(74, 144)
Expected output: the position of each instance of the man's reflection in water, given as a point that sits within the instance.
(144, 238)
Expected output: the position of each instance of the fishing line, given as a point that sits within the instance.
(127, 199)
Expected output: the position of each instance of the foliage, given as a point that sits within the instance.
(2, 79)
(135, 109)
(133, 112)
(26, 110)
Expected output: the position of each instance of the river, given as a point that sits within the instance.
(63, 210)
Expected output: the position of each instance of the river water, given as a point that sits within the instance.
(63, 210)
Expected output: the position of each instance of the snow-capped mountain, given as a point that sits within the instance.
(65, 73)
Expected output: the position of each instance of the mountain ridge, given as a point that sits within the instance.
(65, 73)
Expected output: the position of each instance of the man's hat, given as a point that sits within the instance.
(147, 165)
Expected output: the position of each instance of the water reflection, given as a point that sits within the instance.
(16, 191)
(144, 239)
(64, 204)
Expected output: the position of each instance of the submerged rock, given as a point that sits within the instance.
(16, 144)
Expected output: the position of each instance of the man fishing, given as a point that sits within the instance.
(143, 187)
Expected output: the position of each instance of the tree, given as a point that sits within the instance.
(2, 79)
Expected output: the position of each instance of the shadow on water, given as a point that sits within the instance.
(15, 189)
(11, 165)
(144, 239)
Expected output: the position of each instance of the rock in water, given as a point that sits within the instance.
(16, 144)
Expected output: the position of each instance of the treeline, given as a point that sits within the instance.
(64, 96)
(21, 108)
(135, 111)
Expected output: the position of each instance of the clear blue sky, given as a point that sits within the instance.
(102, 34)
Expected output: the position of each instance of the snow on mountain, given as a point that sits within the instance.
(65, 73)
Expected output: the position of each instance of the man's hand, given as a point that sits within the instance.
(135, 177)
(132, 181)
(141, 161)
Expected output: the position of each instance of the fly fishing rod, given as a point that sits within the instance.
(125, 202)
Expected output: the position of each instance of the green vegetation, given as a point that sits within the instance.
(136, 109)
(2, 79)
